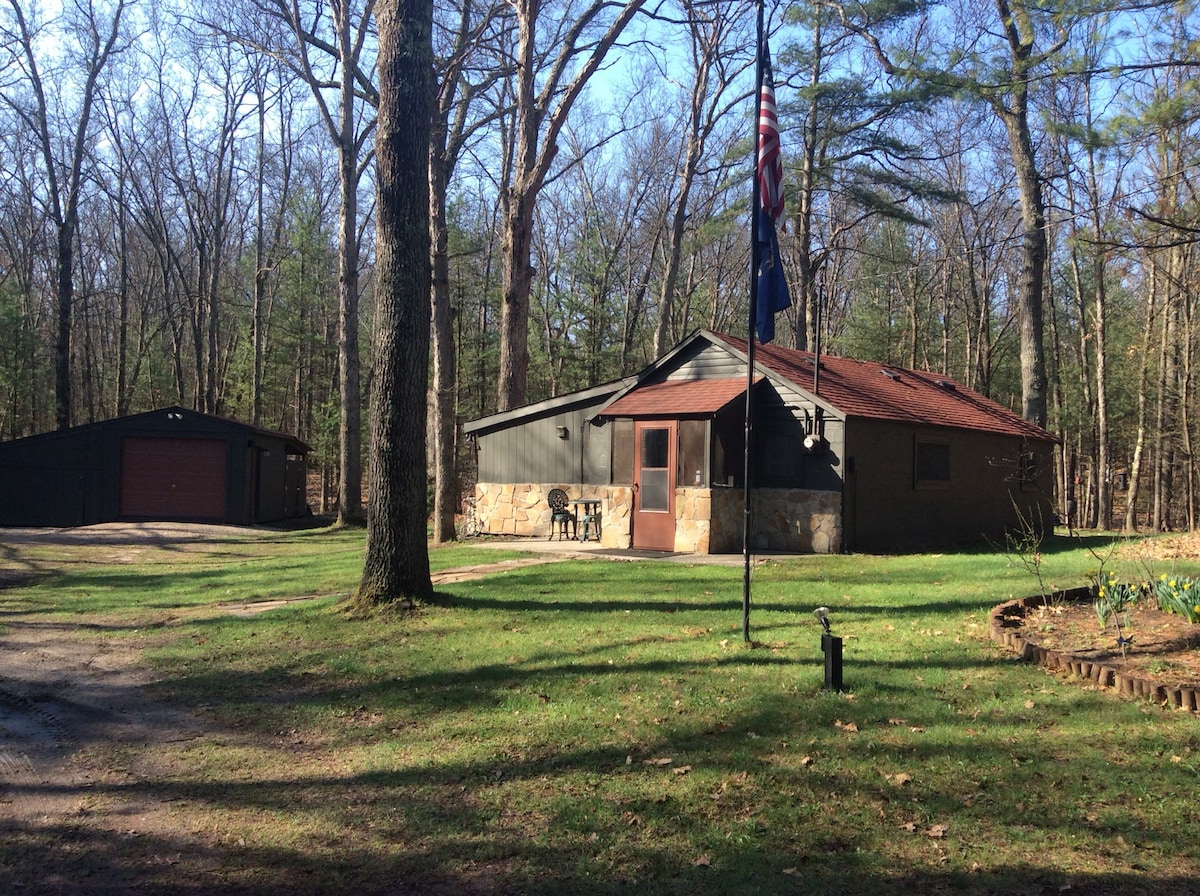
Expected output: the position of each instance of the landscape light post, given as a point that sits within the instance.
(831, 646)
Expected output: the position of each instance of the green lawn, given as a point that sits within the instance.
(599, 727)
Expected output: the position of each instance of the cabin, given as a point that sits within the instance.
(171, 464)
(845, 456)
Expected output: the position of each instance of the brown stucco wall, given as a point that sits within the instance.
(891, 511)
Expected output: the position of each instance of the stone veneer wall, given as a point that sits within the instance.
(521, 509)
(707, 521)
(797, 521)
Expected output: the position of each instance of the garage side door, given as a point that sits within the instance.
(170, 478)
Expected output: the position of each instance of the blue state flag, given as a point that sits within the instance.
(772, 291)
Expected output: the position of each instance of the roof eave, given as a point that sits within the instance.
(545, 407)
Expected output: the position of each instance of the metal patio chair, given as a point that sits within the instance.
(560, 517)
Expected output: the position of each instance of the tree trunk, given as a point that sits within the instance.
(806, 268)
(518, 206)
(1033, 264)
(514, 309)
(63, 192)
(260, 266)
(396, 567)
(542, 106)
(66, 300)
(122, 405)
(349, 382)
(1139, 444)
(1014, 112)
(1104, 483)
(445, 384)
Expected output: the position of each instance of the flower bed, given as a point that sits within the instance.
(1155, 656)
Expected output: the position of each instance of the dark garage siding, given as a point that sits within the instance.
(174, 478)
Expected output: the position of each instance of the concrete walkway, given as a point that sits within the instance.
(593, 550)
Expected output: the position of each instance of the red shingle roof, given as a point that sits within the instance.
(883, 392)
(679, 398)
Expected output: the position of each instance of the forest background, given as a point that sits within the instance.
(1001, 192)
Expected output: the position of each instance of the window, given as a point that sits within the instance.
(1028, 468)
(932, 467)
(656, 477)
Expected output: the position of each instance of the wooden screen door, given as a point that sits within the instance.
(654, 485)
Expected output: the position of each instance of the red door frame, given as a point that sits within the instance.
(654, 446)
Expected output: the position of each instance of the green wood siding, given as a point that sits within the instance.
(534, 451)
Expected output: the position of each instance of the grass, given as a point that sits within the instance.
(600, 727)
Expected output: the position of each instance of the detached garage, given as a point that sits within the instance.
(172, 464)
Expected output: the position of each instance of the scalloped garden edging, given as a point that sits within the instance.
(1005, 627)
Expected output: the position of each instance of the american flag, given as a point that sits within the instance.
(770, 164)
(772, 294)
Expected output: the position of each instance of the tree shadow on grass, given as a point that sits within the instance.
(84, 861)
(543, 818)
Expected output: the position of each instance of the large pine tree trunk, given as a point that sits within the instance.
(396, 567)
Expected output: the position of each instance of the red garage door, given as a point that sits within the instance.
(167, 478)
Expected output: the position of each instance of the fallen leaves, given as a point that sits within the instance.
(663, 762)
(933, 832)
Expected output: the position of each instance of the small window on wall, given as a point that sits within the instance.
(690, 458)
(622, 452)
(1028, 469)
(932, 465)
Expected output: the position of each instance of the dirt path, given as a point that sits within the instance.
(80, 747)
(76, 737)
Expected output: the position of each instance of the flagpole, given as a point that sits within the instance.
(755, 248)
